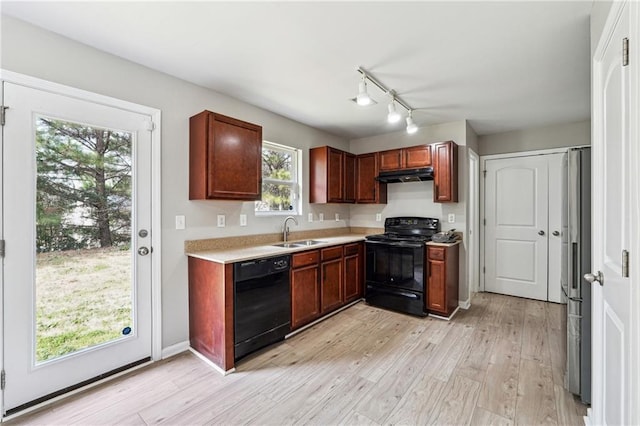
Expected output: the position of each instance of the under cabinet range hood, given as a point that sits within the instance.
(410, 175)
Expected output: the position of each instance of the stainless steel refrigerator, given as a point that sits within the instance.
(576, 289)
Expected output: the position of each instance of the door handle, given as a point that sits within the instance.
(143, 251)
(541, 232)
(556, 233)
(595, 277)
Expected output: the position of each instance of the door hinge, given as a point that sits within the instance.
(484, 270)
(2, 248)
(625, 264)
(625, 52)
(484, 222)
(151, 126)
(3, 380)
(484, 173)
(3, 114)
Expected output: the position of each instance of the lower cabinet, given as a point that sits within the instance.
(442, 282)
(305, 287)
(325, 280)
(331, 282)
(353, 272)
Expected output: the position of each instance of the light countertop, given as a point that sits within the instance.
(268, 250)
(433, 243)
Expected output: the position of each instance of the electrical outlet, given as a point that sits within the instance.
(378, 217)
(243, 220)
(451, 218)
(310, 217)
(321, 217)
(337, 217)
(221, 221)
(180, 222)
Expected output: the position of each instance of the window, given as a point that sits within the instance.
(280, 189)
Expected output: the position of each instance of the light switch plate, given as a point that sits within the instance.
(180, 221)
(221, 221)
(310, 216)
(451, 218)
(378, 217)
(321, 217)
(337, 217)
(243, 220)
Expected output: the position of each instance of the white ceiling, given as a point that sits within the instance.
(501, 65)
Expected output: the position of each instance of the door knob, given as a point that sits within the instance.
(595, 277)
(143, 251)
(541, 232)
(556, 233)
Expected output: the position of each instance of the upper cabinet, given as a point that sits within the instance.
(405, 158)
(225, 158)
(368, 189)
(445, 165)
(331, 176)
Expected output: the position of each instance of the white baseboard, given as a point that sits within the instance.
(210, 363)
(587, 418)
(466, 304)
(175, 349)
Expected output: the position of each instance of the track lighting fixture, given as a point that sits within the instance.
(411, 126)
(363, 97)
(393, 116)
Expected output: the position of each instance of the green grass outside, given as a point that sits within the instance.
(83, 299)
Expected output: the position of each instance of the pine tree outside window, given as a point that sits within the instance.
(280, 180)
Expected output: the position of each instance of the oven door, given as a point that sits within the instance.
(396, 264)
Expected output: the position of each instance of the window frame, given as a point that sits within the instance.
(294, 183)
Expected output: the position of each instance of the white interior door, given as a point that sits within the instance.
(76, 215)
(516, 230)
(474, 222)
(557, 209)
(612, 301)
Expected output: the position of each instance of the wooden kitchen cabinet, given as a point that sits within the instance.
(413, 157)
(211, 311)
(353, 271)
(305, 287)
(445, 165)
(331, 279)
(368, 189)
(331, 175)
(442, 280)
(225, 158)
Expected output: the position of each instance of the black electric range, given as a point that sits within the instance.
(395, 264)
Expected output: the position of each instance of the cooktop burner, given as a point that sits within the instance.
(407, 229)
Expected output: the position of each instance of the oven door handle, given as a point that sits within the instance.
(396, 244)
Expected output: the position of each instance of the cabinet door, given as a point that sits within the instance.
(331, 287)
(368, 189)
(305, 292)
(335, 165)
(417, 156)
(445, 166)
(353, 271)
(390, 160)
(349, 178)
(436, 288)
(225, 158)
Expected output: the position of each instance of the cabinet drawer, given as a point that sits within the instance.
(351, 249)
(331, 253)
(305, 258)
(436, 253)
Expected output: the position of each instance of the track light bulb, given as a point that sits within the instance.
(363, 98)
(393, 116)
(411, 126)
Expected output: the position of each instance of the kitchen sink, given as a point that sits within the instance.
(305, 243)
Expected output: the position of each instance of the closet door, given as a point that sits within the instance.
(516, 232)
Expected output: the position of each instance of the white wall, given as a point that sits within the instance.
(33, 51)
(556, 136)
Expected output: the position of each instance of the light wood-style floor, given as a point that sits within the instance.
(498, 363)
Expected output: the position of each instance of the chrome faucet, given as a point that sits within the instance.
(285, 228)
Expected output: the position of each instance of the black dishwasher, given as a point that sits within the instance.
(262, 303)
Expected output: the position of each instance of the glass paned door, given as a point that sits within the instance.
(83, 236)
(76, 216)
